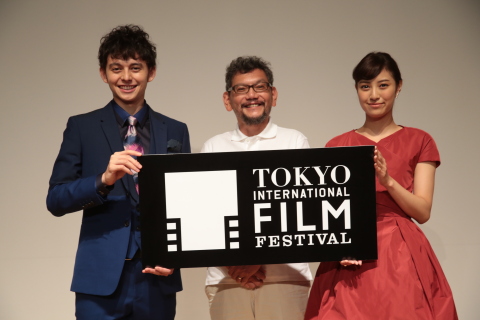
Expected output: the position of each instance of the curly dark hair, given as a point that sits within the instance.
(372, 64)
(125, 42)
(247, 64)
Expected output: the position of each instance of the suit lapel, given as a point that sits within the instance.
(158, 130)
(110, 129)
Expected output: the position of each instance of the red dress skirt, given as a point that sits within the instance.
(406, 282)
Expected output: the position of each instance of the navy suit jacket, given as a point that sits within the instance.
(88, 142)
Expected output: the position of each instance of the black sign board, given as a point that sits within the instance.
(258, 207)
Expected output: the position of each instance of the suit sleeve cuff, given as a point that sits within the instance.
(102, 189)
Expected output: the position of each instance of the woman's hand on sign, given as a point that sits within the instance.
(347, 263)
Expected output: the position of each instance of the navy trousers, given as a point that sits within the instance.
(138, 297)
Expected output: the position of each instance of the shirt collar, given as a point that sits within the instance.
(269, 132)
(123, 115)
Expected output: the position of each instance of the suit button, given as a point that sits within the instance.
(138, 228)
(138, 207)
(128, 194)
(127, 223)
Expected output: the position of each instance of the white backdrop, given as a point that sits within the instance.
(49, 72)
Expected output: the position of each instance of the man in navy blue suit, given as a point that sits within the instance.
(94, 173)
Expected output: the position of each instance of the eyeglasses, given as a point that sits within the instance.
(243, 88)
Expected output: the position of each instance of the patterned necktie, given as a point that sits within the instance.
(132, 142)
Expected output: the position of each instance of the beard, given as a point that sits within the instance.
(254, 121)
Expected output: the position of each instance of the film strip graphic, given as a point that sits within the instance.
(174, 235)
(232, 233)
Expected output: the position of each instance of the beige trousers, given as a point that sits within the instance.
(272, 301)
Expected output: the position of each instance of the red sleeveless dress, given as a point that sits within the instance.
(406, 282)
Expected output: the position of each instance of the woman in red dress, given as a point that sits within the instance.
(406, 282)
